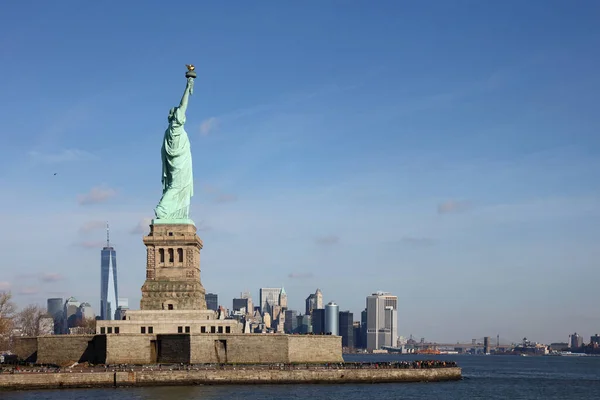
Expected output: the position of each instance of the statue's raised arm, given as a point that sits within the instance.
(189, 89)
(177, 114)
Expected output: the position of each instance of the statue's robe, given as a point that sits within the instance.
(177, 175)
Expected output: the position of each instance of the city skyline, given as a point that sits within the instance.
(390, 302)
(422, 150)
(300, 306)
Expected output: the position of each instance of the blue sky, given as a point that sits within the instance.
(445, 151)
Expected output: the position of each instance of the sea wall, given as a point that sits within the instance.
(130, 349)
(239, 348)
(217, 376)
(146, 349)
(248, 348)
(317, 348)
(26, 348)
(67, 349)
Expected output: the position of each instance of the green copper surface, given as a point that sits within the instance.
(181, 221)
(177, 175)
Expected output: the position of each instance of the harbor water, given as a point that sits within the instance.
(485, 377)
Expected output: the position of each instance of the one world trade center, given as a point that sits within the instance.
(108, 280)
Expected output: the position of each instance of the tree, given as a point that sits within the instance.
(7, 314)
(29, 319)
(88, 325)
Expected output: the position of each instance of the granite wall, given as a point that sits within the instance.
(69, 349)
(181, 348)
(26, 348)
(130, 349)
(173, 349)
(316, 348)
(242, 348)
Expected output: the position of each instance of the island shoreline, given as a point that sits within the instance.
(213, 377)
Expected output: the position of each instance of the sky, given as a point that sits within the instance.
(444, 151)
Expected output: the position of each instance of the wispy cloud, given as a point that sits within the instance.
(453, 206)
(98, 194)
(209, 125)
(65, 155)
(25, 276)
(203, 227)
(218, 196)
(283, 101)
(209, 188)
(92, 226)
(451, 95)
(225, 198)
(300, 275)
(54, 293)
(142, 227)
(51, 277)
(28, 291)
(4, 285)
(327, 240)
(418, 241)
(42, 276)
(541, 209)
(95, 244)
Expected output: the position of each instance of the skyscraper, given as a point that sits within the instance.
(575, 341)
(108, 280)
(246, 295)
(332, 315)
(123, 302)
(212, 301)
(306, 324)
(382, 320)
(70, 314)
(240, 303)
(346, 329)
(291, 322)
(314, 301)
(84, 312)
(55, 309)
(283, 299)
(318, 321)
(318, 299)
(122, 308)
(55, 306)
(269, 297)
(310, 303)
(363, 329)
(357, 334)
(243, 302)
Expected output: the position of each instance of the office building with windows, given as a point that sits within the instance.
(318, 321)
(212, 301)
(269, 297)
(55, 309)
(382, 320)
(346, 329)
(291, 322)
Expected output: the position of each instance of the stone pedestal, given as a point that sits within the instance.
(173, 269)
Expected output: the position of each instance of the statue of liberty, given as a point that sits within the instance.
(177, 174)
